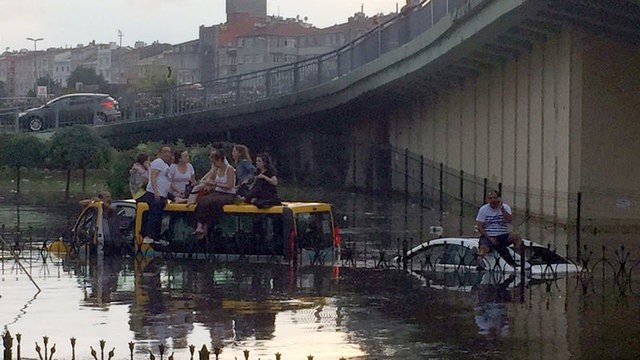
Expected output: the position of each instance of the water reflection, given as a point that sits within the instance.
(491, 315)
(381, 314)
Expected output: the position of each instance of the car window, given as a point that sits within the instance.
(80, 100)
(125, 215)
(58, 103)
(430, 256)
(539, 255)
(86, 228)
(457, 254)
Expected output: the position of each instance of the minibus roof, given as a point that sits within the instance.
(295, 206)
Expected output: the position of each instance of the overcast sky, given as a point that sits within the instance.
(66, 23)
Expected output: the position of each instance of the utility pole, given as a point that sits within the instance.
(120, 36)
(35, 64)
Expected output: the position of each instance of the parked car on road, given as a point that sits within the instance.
(80, 108)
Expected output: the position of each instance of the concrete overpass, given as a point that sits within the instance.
(541, 96)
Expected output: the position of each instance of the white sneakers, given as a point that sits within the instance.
(150, 240)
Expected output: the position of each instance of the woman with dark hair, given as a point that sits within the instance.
(264, 192)
(139, 176)
(221, 184)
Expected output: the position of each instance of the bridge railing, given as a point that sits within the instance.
(284, 79)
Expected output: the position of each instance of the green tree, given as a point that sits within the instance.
(53, 86)
(86, 76)
(21, 150)
(78, 147)
(118, 178)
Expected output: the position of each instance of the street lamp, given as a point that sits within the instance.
(35, 42)
(35, 63)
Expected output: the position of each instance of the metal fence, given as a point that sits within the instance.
(281, 80)
(614, 269)
(436, 186)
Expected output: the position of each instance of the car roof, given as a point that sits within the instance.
(464, 241)
(81, 94)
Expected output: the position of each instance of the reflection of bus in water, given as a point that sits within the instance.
(232, 301)
(294, 231)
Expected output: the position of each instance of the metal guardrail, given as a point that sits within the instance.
(281, 80)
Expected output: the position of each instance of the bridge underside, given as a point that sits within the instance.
(540, 96)
(543, 101)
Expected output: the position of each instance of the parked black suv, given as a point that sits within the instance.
(81, 108)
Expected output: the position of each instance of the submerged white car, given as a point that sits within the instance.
(455, 254)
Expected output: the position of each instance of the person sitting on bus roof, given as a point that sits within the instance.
(245, 170)
(222, 182)
(264, 192)
(156, 196)
(139, 176)
(182, 174)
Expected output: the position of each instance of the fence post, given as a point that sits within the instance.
(296, 76)
(578, 226)
(267, 83)
(319, 65)
(406, 172)
(461, 193)
(421, 181)
(441, 186)
(379, 37)
(351, 57)
(238, 79)
(484, 190)
(355, 185)
(7, 342)
(432, 8)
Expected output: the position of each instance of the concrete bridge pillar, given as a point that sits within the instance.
(538, 124)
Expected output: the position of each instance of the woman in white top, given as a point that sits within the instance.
(182, 174)
(221, 181)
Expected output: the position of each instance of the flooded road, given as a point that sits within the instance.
(328, 312)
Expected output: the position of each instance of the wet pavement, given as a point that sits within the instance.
(327, 312)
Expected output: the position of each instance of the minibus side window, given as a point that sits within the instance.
(314, 230)
(177, 227)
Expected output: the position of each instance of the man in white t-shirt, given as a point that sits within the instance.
(492, 223)
(156, 196)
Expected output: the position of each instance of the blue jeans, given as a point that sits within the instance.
(152, 219)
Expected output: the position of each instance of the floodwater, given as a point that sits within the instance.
(362, 312)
